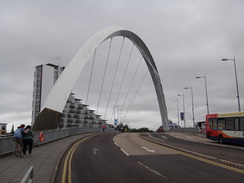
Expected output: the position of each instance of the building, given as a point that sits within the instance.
(3, 128)
(45, 77)
(75, 114)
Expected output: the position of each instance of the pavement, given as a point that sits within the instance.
(45, 159)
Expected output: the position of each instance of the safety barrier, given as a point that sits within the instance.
(7, 145)
(28, 176)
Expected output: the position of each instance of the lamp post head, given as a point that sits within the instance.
(199, 77)
(224, 59)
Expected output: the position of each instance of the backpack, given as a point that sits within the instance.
(18, 133)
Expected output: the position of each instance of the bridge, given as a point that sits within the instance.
(50, 114)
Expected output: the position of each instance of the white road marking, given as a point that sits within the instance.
(125, 152)
(116, 144)
(95, 151)
(177, 137)
(159, 174)
(164, 137)
(149, 150)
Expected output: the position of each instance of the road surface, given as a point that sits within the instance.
(127, 158)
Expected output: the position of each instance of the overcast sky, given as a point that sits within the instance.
(187, 38)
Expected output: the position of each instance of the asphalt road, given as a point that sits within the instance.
(127, 158)
(207, 147)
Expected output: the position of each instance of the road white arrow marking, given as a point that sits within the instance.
(149, 150)
(95, 151)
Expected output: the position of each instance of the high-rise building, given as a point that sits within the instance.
(75, 114)
(45, 77)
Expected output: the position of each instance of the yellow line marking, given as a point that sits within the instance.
(68, 159)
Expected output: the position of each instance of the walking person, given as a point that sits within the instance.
(103, 127)
(18, 139)
(28, 140)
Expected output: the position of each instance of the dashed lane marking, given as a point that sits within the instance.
(154, 171)
(125, 152)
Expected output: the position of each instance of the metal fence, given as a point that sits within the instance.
(28, 176)
(7, 145)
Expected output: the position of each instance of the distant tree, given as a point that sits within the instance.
(125, 128)
(144, 129)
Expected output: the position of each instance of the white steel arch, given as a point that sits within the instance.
(55, 102)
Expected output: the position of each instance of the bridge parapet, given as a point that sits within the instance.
(7, 145)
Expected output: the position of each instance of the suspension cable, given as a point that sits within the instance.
(136, 92)
(104, 74)
(114, 76)
(132, 81)
(122, 81)
(88, 90)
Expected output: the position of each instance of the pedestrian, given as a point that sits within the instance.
(18, 139)
(103, 127)
(28, 140)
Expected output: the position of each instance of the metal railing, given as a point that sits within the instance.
(7, 145)
(28, 176)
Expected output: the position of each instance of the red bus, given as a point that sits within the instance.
(226, 127)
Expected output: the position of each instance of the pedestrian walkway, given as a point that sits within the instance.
(44, 158)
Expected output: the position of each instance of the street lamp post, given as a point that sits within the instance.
(115, 122)
(237, 89)
(206, 90)
(183, 109)
(193, 116)
(177, 105)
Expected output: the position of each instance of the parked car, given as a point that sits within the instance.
(160, 129)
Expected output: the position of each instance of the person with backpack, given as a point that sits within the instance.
(28, 140)
(18, 139)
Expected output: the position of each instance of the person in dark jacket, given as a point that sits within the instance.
(28, 140)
